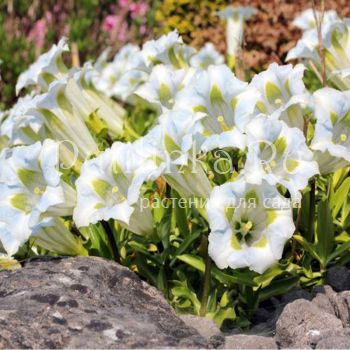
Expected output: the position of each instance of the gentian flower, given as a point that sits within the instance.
(169, 49)
(282, 93)
(331, 141)
(245, 222)
(64, 114)
(20, 128)
(336, 42)
(235, 18)
(109, 187)
(32, 193)
(224, 101)
(279, 155)
(306, 20)
(162, 86)
(48, 67)
(179, 136)
(206, 56)
(124, 75)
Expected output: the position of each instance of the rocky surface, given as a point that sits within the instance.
(86, 303)
(94, 303)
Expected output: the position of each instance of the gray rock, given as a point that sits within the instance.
(334, 303)
(206, 328)
(303, 324)
(334, 343)
(249, 342)
(86, 303)
(338, 278)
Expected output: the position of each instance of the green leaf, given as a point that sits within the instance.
(279, 287)
(181, 214)
(185, 244)
(340, 197)
(266, 278)
(98, 244)
(234, 278)
(224, 314)
(309, 247)
(345, 247)
(325, 232)
(194, 261)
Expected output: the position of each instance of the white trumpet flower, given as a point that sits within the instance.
(64, 114)
(56, 237)
(173, 146)
(306, 20)
(180, 138)
(224, 101)
(94, 103)
(46, 69)
(245, 222)
(169, 49)
(21, 128)
(282, 93)
(336, 42)
(279, 155)
(235, 18)
(121, 77)
(162, 86)
(32, 192)
(109, 187)
(206, 56)
(331, 141)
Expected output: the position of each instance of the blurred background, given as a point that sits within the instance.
(30, 27)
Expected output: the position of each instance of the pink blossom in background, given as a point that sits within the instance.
(109, 23)
(138, 9)
(38, 32)
(123, 3)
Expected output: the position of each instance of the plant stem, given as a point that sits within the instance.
(329, 186)
(319, 22)
(111, 239)
(206, 279)
(311, 226)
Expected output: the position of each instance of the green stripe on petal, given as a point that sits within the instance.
(252, 195)
(170, 144)
(272, 92)
(261, 243)
(235, 243)
(101, 187)
(280, 146)
(20, 202)
(271, 216)
(26, 176)
(216, 96)
(229, 211)
(172, 58)
(200, 108)
(292, 164)
(164, 94)
(261, 107)
(234, 102)
(334, 118)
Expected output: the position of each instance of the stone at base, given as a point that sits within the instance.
(241, 341)
(86, 303)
